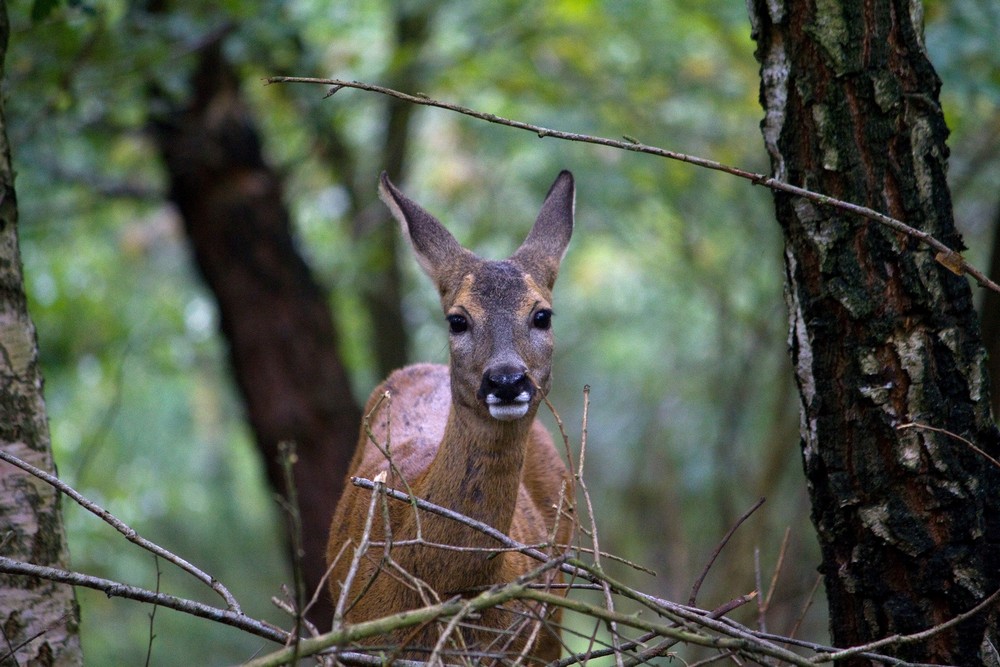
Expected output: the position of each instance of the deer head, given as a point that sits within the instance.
(499, 312)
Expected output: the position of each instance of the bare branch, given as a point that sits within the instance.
(947, 257)
(130, 534)
(115, 589)
(948, 433)
(718, 549)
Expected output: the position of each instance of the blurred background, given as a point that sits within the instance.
(669, 304)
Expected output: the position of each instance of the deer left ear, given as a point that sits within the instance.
(436, 249)
(545, 246)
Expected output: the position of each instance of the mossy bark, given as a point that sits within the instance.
(39, 620)
(881, 334)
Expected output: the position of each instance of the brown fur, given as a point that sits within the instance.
(447, 448)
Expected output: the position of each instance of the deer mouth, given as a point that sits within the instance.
(508, 410)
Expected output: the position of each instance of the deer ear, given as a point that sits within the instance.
(436, 249)
(545, 246)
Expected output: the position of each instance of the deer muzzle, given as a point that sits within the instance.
(507, 393)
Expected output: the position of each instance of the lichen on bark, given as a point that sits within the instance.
(39, 618)
(881, 334)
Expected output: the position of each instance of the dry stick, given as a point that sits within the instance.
(675, 612)
(678, 613)
(952, 435)
(761, 625)
(116, 589)
(291, 505)
(661, 648)
(805, 608)
(411, 618)
(718, 549)
(774, 575)
(896, 640)
(518, 590)
(359, 552)
(609, 601)
(130, 534)
(950, 259)
(152, 614)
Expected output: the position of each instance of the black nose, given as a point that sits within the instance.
(506, 384)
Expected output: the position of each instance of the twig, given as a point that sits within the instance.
(718, 549)
(948, 433)
(665, 646)
(427, 506)
(290, 503)
(782, 551)
(116, 589)
(152, 614)
(130, 534)
(947, 257)
(359, 552)
(896, 640)
(805, 608)
(608, 599)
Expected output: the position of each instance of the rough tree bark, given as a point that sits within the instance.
(282, 340)
(881, 334)
(991, 319)
(39, 620)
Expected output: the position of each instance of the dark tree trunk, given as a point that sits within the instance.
(881, 334)
(39, 620)
(282, 340)
(991, 320)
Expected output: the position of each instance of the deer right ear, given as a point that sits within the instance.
(436, 249)
(546, 244)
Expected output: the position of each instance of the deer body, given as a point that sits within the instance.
(464, 436)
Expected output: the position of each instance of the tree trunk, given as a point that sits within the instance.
(882, 335)
(991, 319)
(39, 620)
(282, 341)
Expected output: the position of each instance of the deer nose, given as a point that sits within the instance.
(506, 385)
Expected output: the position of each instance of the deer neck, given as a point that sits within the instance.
(477, 472)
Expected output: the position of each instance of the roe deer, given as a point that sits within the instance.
(465, 437)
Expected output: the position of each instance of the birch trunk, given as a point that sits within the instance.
(39, 620)
(881, 334)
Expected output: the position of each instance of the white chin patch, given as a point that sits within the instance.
(508, 411)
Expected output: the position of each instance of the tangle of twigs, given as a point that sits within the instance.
(635, 638)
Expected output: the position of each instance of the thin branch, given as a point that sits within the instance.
(947, 257)
(805, 607)
(608, 599)
(116, 589)
(290, 503)
(152, 614)
(130, 534)
(948, 433)
(897, 640)
(718, 549)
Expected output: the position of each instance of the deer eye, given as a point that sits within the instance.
(458, 324)
(542, 319)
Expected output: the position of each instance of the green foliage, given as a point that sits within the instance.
(669, 304)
